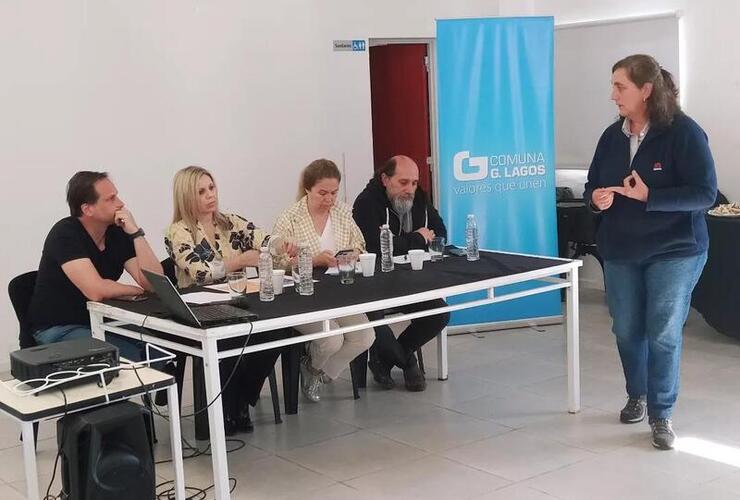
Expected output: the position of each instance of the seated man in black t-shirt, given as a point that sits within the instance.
(84, 256)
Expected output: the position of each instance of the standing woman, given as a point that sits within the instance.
(651, 179)
(205, 244)
(317, 220)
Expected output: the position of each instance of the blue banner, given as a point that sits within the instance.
(497, 160)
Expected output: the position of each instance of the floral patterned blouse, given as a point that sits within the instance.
(200, 261)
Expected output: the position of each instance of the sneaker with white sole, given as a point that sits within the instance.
(311, 381)
(634, 411)
(663, 435)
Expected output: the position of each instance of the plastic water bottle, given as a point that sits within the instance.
(267, 292)
(471, 238)
(386, 249)
(305, 271)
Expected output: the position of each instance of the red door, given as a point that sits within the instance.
(400, 105)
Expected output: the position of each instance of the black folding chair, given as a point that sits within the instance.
(20, 290)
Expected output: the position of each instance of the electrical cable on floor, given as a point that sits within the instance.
(200, 493)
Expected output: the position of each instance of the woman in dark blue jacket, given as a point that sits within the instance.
(651, 179)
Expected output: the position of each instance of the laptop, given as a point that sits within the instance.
(201, 315)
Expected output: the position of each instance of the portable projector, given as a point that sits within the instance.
(83, 355)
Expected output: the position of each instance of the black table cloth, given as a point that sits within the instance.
(329, 293)
(717, 294)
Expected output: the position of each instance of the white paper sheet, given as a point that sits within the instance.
(221, 287)
(224, 287)
(205, 297)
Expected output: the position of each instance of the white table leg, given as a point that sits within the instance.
(174, 406)
(29, 459)
(442, 355)
(216, 420)
(572, 334)
(96, 325)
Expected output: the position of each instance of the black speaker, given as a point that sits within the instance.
(107, 454)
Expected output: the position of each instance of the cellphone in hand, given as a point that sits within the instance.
(342, 252)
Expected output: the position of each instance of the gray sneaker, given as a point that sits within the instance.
(633, 412)
(663, 435)
(311, 382)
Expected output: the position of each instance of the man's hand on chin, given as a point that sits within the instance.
(125, 220)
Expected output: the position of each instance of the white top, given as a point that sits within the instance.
(326, 241)
(635, 139)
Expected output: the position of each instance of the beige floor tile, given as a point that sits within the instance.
(516, 456)
(516, 409)
(607, 478)
(296, 431)
(427, 478)
(353, 455)
(439, 430)
(7, 492)
(273, 478)
(591, 429)
(516, 492)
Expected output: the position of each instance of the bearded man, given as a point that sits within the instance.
(393, 197)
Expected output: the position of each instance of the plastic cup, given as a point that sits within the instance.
(367, 264)
(437, 248)
(237, 283)
(278, 277)
(416, 257)
(346, 264)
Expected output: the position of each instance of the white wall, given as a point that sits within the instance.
(142, 88)
(710, 73)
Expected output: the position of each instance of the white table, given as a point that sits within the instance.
(206, 339)
(27, 410)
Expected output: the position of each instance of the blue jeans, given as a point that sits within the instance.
(649, 303)
(127, 348)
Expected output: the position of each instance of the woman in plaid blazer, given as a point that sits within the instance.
(326, 226)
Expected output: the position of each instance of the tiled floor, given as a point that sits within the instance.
(497, 429)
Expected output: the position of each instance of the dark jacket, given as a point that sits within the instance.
(676, 164)
(372, 209)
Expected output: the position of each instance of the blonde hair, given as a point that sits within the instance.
(185, 197)
(314, 172)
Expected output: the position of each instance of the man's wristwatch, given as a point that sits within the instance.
(139, 232)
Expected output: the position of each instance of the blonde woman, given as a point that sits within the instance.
(205, 244)
(326, 226)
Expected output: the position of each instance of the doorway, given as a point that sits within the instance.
(401, 92)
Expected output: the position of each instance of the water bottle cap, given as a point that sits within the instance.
(471, 216)
(385, 226)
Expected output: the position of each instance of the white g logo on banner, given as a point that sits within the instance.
(477, 164)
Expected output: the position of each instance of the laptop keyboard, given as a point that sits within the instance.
(218, 312)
